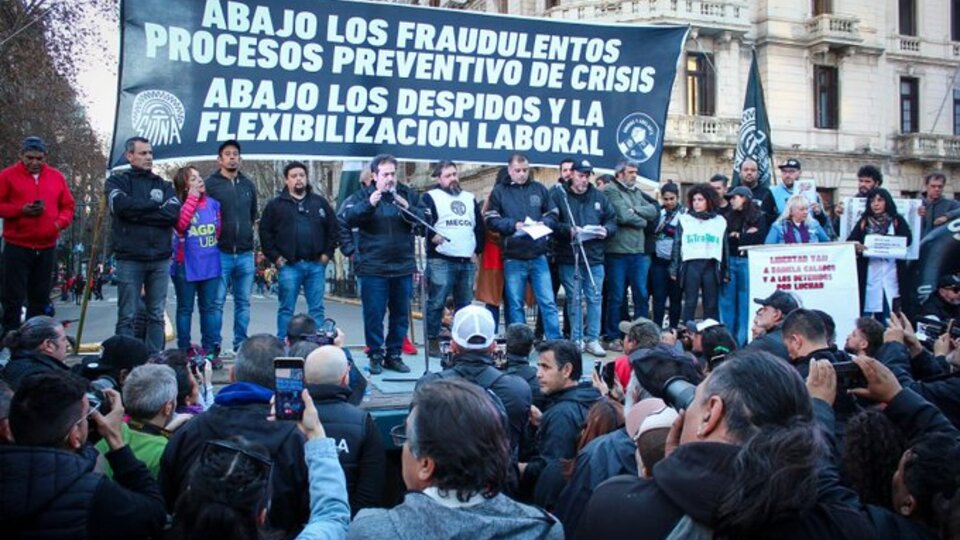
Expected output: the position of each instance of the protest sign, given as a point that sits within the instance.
(878, 245)
(908, 208)
(339, 80)
(808, 188)
(821, 276)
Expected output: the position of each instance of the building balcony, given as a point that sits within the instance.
(707, 16)
(928, 147)
(701, 131)
(832, 31)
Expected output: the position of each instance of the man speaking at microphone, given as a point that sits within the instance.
(386, 263)
(450, 270)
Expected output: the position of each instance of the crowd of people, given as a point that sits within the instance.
(720, 415)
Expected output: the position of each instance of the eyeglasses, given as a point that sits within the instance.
(399, 434)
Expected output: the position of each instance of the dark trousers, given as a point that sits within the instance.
(664, 289)
(379, 294)
(700, 276)
(27, 274)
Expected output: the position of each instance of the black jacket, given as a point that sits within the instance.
(290, 500)
(845, 406)
(385, 243)
(739, 223)
(771, 342)
(26, 363)
(430, 212)
(936, 307)
(238, 210)
(601, 459)
(565, 416)
(144, 209)
(859, 233)
(511, 203)
(521, 367)
(477, 367)
(359, 446)
(47, 493)
(692, 481)
(589, 208)
(278, 226)
(943, 393)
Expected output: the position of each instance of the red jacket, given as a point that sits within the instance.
(17, 189)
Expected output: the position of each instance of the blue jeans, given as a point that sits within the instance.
(623, 269)
(205, 293)
(378, 294)
(588, 293)
(515, 274)
(311, 275)
(132, 277)
(238, 271)
(443, 278)
(735, 300)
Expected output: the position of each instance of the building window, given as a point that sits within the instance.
(909, 105)
(955, 20)
(826, 95)
(907, 194)
(701, 85)
(827, 196)
(956, 111)
(503, 5)
(908, 18)
(822, 7)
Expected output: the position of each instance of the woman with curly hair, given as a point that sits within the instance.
(881, 278)
(700, 253)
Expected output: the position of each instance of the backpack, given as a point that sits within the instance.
(486, 380)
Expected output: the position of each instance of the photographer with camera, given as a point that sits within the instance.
(741, 463)
(299, 233)
(769, 321)
(357, 439)
(49, 489)
(38, 346)
(945, 303)
(119, 355)
(473, 345)
(149, 398)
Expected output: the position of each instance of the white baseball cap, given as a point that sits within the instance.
(473, 327)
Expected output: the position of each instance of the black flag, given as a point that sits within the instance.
(754, 138)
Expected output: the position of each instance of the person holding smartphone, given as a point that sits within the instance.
(36, 206)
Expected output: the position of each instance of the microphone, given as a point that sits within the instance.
(387, 197)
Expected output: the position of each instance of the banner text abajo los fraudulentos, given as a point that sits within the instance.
(335, 79)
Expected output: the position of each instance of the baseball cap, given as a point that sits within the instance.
(697, 327)
(781, 300)
(949, 281)
(625, 326)
(123, 352)
(790, 164)
(473, 327)
(742, 191)
(640, 411)
(583, 166)
(33, 143)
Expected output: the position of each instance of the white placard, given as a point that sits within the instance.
(878, 245)
(808, 188)
(853, 208)
(820, 276)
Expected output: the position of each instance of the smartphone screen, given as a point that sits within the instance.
(288, 376)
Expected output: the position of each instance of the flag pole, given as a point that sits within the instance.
(98, 228)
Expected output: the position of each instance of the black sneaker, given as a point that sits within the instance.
(433, 348)
(376, 365)
(395, 363)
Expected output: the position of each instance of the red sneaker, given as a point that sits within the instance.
(408, 347)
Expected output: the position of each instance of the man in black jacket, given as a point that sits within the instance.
(359, 447)
(560, 367)
(586, 219)
(48, 484)
(510, 207)
(298, 233)
(473, 344)
(145, 209)
(519, 343)
(385, 248)
(241, 408)
(769, 320)
(237, 196)
(38, 346)
(944, 304)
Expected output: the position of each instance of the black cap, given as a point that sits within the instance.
(33, 143)
(583, 166)
(781, 300)
(790, 164)
(743, 191)
(949, 280)
(123, 352)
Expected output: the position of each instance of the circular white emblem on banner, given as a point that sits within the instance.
(752, 143)
(158, 117)
(638, 137)
(458, 208)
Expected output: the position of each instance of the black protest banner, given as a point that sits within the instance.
(754, 140)
(348, 80)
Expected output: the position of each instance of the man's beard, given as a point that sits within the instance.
(299, 190)
(850, 350)
(453, 188)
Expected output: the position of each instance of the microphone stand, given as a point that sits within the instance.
(577, 242)
(423, 283)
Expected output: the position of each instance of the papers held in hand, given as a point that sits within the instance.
(534, 230)
(878, 245)
(591, 232)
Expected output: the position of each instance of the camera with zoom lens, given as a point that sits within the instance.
(325, 335)
(446, 352)
(678, 393)
(930, 328)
